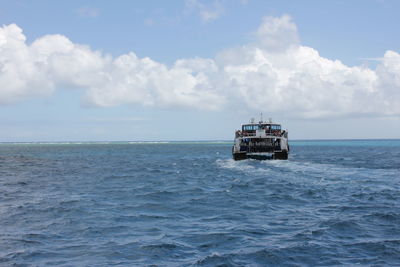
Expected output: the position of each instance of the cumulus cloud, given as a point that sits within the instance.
(277, 33)
(21, 75)
(275, 73)
(53, 61)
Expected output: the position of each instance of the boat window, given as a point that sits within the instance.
(275, 127)
(250, 127)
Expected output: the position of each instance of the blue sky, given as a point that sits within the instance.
(196, 70)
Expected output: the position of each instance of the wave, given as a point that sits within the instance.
(216, 259)
(323, 172)
(243, 166)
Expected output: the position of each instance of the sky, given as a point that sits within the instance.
(197, 69)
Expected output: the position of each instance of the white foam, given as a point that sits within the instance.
(242, 165)
(306, 171)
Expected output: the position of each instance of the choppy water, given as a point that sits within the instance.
(331, 204)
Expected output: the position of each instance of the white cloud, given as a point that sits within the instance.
(299, 81)
(206, 12)
(273, 74)
(54, 61)
(21, 75)
(277, 33)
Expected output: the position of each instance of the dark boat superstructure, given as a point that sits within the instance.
(262, 140)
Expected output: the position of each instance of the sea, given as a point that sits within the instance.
(332, 203)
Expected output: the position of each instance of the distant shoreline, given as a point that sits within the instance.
(179, 142)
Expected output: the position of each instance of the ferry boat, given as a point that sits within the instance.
(262, 140)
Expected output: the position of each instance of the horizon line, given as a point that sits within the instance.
(185, 141)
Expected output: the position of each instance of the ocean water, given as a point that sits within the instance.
(333, 203)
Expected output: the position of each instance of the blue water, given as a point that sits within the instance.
(332, 203)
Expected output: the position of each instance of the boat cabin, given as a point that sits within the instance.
(269, 128)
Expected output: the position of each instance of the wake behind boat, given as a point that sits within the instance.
(262, 140)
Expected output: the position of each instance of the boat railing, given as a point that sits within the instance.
(268, 132)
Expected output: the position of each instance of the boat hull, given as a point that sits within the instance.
(282, 155)
(239, 156)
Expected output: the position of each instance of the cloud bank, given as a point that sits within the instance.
(275, 73)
